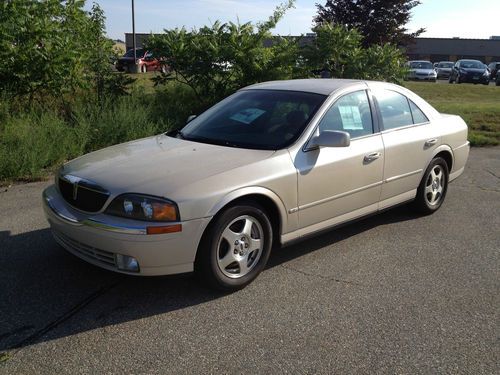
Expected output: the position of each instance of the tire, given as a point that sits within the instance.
(450, 79)
(497, 82)
(433, 187)
(143, 68)
(457, 80)
(235, 247)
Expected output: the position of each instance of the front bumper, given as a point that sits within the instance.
(469, 78)
(98, 238)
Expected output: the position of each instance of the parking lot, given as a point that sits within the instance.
(394, 293)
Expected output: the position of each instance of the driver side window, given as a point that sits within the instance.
(351, 113)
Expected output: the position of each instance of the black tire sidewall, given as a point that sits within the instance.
(206, 264)
(420, 200)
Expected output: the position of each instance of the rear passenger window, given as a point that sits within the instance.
(351, 113)
(418, 115)
(394, 108)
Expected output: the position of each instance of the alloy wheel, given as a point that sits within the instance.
(240, 246)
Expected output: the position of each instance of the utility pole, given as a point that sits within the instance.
(133, 37)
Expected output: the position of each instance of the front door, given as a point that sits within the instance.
(337, 183)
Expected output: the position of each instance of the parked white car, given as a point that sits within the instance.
(269, 165)
(421, 71)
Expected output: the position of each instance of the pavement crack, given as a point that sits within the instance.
(61, 319)
(492, 173)
(337, 280)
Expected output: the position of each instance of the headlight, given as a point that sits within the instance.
(486, 73)
(143, 207)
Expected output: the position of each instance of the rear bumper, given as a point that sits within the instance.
(99, 239)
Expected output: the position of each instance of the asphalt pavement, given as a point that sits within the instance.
(394, 293)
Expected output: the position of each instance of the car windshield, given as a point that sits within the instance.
(130, 53)
(472, 65)
(255, 119)
(445, 65)
(421, 65)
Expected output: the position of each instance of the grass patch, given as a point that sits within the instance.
(4, 357)
(478, 105)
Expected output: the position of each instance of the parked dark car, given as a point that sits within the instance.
(472, 71)
(145, 59)
(494, 67)
(497, 79)
(444, 69)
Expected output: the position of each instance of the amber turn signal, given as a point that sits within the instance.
(165, 229)
(164, 212)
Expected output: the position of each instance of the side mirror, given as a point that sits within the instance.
(330, 138)
(190, 118)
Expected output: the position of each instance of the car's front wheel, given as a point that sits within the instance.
(433, 187)
(235, 247)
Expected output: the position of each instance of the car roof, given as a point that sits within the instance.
(323, 86)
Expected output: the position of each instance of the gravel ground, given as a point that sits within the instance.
(394, 293)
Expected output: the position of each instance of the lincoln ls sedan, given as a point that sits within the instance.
(271, 164)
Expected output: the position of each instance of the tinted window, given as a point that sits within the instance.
(394, 109)
(421, 65)
(471, 64)
(350, 113)
(258, 119)
(445, 65)
(418, 116)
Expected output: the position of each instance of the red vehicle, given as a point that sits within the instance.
(145, 59)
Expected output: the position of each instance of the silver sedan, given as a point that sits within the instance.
(271, 164)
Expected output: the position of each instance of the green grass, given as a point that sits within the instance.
(478, 105)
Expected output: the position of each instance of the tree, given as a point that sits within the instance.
(378, 21)
(339, 51)
(214, 61)
(51, 49)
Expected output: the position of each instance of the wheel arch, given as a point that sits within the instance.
(445, 152)
(266, 198)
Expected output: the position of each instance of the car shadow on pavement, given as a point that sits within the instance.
(47, 293)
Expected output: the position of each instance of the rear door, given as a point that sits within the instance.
(409, 141)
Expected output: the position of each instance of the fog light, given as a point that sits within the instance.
(126, 263)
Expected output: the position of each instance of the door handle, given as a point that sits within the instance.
(430, 142)
(371, 157)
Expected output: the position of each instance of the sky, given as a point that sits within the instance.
(441, 18)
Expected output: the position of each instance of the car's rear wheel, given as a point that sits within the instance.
(433, 187)
(235, 247)
(144, 68)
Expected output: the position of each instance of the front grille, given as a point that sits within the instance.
(87, 252)
(84, 197)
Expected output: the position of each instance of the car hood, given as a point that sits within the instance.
(128, 59)
(158, 165)
(473, 70)
(423, 71)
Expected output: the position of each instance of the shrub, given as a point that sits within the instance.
(33, 142)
